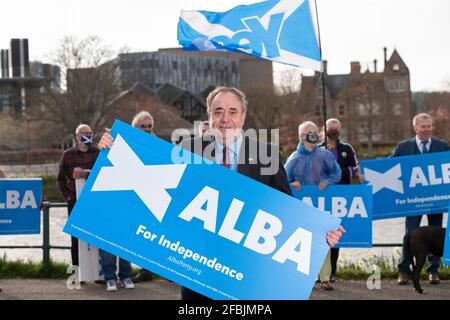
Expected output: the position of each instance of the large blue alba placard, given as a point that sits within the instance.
(201, 225)
(352, 204)
(409, 185)
(446, 258)
(20, 202)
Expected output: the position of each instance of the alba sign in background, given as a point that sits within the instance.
(201, 225)
(352, 204)
(446, 257)
(409, 185)
(20, 201)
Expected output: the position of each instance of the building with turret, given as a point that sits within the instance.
(373, 106)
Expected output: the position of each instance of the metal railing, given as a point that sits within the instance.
(46, 246)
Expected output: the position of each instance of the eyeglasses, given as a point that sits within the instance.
(146, 126)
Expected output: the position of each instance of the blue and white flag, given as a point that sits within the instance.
(409, 185)
(351, 203)
(278, 30)
(201, 225)
(20, 206)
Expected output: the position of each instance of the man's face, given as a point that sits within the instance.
(83, 131)
(145, 125)
(226, 116)
(333, 130)
(424, 129)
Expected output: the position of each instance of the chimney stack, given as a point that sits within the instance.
(375, 65)
(325, 65)
(385, 57)
(355, 68)
(4, 59)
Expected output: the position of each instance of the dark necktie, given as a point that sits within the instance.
(225, 158)
(424, 146)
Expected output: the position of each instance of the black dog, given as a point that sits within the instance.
(420, 243)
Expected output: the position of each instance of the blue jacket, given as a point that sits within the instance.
(312, 167)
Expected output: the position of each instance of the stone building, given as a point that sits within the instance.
(373, 106)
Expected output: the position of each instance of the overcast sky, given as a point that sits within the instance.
(351, 30)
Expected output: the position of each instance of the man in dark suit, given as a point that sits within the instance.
(227, 145)
(422, 143)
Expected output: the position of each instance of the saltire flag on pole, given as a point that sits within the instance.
(278, 30)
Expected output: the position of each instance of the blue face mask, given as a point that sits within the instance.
(312, 137)
(86, 139)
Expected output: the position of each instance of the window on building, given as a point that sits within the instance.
(5, 101)
(234, 67)
(126, 64)
(319, 93)
(146, 64)
(341, 110)
(369, 109)
(175, 65)
(397, 86)
(398, 109)
(364, 132)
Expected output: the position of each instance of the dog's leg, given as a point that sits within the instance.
(419, 258)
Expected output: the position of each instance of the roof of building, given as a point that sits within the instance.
(169, 94)
(166, 119)
(137, 88)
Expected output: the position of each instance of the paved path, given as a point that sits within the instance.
(164, 290)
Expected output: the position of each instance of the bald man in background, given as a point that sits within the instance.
(76, 163)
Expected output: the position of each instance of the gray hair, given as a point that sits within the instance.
(333, 120)
(421, 116)
(304, 126)
(141, 115)
(238, 93)
(77, 130)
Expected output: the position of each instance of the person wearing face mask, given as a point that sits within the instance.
(312, 165)
(346, 158)
(76, 163)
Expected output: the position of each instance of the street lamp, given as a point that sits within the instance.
(28, 119)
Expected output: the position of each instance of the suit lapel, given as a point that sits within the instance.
(415, 147)
(243, 166)
(432, 145)
(209, 144)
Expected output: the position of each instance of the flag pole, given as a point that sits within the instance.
(322, 76)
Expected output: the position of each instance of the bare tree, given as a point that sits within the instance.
(89, 81)
(269, 110)
(289, 82)
(369, 112)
